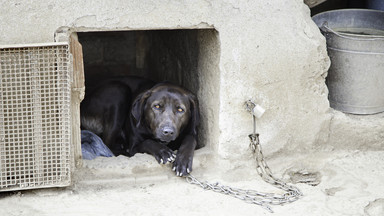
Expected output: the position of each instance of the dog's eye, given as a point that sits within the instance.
(180, 110)
(157, 106)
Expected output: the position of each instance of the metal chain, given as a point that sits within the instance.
(292, 193)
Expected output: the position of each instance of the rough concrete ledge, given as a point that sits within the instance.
(351, 184)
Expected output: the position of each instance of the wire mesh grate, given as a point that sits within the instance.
(34, 117)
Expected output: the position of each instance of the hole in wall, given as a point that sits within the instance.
(188, 57)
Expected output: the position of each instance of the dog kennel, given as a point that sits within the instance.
(42, 85)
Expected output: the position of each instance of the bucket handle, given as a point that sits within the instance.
(328, 29)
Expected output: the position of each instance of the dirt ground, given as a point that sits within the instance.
(351, 183)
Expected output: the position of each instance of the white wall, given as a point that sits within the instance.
(270, 51)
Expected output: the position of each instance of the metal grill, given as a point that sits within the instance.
(35, 117)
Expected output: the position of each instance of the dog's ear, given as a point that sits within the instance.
(195, 113)
(138, 107)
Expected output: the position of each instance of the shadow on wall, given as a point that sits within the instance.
(160, 55)
(341, 4)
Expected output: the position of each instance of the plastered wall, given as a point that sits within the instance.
(268, 51)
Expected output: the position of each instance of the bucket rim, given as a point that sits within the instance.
(350, 36)
(321, 21)
(348, 9)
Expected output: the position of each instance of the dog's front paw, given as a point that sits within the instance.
(182, 165)
(164, 155)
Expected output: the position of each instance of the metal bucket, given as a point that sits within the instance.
(355, 42)
(375, 4)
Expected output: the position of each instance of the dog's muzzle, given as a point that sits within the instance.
(166, 134)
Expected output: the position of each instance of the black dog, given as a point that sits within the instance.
(165, 118)
(162, 119)
(105, 110)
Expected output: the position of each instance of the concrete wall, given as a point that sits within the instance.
(268, 51)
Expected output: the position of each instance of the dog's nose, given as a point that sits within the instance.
(168, 131)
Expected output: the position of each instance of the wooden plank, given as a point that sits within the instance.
(78, 91)
(78, 66)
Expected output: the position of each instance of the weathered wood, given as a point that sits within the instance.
(78, 91)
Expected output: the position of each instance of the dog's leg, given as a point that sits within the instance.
(162, 153)
(184, 158)
(113, 130)
(113, 139)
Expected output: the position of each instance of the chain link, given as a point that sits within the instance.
(265, 200)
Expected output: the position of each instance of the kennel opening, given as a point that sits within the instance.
(188, 57)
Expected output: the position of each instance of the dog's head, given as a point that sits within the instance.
(166, 110)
